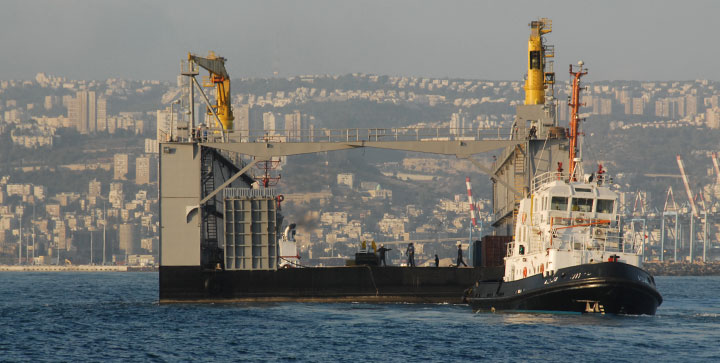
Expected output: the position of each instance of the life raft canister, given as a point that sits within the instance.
(524, 271)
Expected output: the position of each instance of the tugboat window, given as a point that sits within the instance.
(605, 206)
(582, 204)
(559, 203)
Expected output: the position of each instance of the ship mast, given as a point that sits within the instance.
(574, 118)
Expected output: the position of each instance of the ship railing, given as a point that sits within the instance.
(550, 176)
(366, 134)
(546, 178)
(235, 193)
(587, 234)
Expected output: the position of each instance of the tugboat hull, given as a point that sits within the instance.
(610, 287)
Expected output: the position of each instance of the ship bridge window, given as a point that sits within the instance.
(535, 59)
(559, 203)
(605, 205)
(582, 204)
(583, 190)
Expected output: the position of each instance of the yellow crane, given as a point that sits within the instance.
(220, 79)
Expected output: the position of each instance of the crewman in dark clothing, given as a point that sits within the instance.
(437, 261)
(382, 250)
(460, 258)
(411, 255)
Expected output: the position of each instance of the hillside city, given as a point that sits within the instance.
(78, 177)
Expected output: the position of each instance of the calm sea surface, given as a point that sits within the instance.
(115, 316)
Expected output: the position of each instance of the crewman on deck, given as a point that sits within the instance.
(363, 247)
(382, 251)
(374, 246)
(460, 258)
(410, 255)
(437, 261)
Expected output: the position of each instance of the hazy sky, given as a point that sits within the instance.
(623, 40)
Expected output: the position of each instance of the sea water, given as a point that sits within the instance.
(83, 316)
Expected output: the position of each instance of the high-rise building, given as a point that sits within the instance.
(605, 106)
(638, 106)
(121, 167)
(458, 123)
(242, 121)
(680, 106)
(712, 118)
(165, 119)
(142, 170)
(269, 123)
(73, 113)
(256, 120)
(50, 101)
(102, 114)
(116, 196)
(294, 125)
(691, 106)
(82, 111)
(151, 146)
(127, 241)
(94, 188)
(62, 241)
(91, 112)
(347, 179)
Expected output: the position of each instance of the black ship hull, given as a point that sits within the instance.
(610, 287)
(321, 284)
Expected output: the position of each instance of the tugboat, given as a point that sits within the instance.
(568, 253)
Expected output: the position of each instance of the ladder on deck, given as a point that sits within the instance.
(518, 177)
(208, 185)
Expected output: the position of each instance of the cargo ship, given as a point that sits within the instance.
(568, 252)
(220, 223)
(220, 226)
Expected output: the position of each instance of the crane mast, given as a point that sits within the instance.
(220, 79)
(540, 74)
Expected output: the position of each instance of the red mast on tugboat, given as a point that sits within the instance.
(574, 118)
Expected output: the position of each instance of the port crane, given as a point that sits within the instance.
(669, 210)
(694, 209)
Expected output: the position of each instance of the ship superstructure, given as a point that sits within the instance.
(565, 224)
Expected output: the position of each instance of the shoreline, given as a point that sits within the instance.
(76, 268)
(657, 268)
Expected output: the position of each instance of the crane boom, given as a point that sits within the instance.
(687, 185)
(717, 167)
(221, 79)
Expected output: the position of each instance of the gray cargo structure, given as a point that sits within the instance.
(219, 232)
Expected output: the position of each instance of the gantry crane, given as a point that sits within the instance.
(220, 79)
